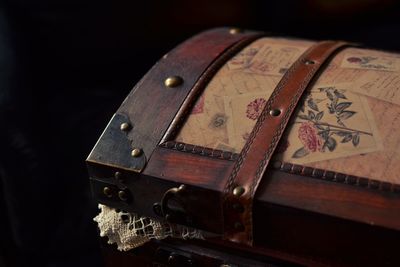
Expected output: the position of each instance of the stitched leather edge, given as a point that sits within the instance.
(287, 167)
(200, 150)
(201, 84)
(336, 177)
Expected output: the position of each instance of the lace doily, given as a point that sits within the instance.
(129, 230)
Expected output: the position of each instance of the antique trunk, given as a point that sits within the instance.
(264, 146)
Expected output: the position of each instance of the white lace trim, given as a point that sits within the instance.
(129, 230)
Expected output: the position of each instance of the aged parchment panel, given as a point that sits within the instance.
(348, 122)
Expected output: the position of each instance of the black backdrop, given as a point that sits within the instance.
(65, 66)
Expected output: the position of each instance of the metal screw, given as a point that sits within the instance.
(107, 192)
(118, 175)
(123, 195)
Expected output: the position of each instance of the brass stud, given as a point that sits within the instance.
(118, 175)
(171, 259)
(125, 126)
(238, 207)
(123, 195)
(239, 226)
(107, 192)
(136, 152)
(173, 81)
(274, 112)
(235, 30)
(238, 191)
(277, 164)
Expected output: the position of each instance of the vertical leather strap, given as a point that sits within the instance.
(253, 160)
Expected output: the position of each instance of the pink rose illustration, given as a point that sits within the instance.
(199, 106)
(309, 137)
(255, 108)
(354, 59)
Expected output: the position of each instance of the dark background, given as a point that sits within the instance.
(65, 66)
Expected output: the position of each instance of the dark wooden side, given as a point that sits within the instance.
(334, 198)
(190, 253)
(325, 221)
(324, 239)
(337, 199)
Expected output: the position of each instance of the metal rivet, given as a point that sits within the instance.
(235, 30)
(123, 195)
(136, 152)
(173, 81)
(239, 226)
(309, 62)
(274, 112)
(277, 164)
(118, 175)
(107, 191)
(125, 126)
(172, 259)
(238, 191)
(238, 207)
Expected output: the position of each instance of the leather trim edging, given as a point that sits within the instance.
(336, 177)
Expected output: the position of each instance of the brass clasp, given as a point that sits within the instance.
(176, 213)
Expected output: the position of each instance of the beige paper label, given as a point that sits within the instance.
(370, 62)
(332, 123)
(242, 59)
(379, 84)
(274, 59)
(337, 130)
(244, 115)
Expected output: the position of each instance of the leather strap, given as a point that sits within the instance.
(253, 160)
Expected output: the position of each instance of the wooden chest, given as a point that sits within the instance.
(275, 147)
